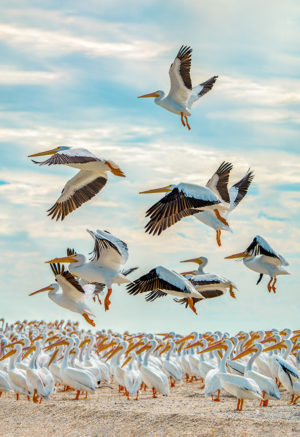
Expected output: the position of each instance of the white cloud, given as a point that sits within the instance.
(19, 77)
(53, 43)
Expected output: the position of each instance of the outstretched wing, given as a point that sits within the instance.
(239, 190)
(153, 295)
(183, 201)
(259, 246)
(109, 251)
(179, 72)
(78, 190)
(199, 90)
(219, 181)
(70, 156)
(70, 286)
(161, 279)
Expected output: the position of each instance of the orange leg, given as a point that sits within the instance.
(120, 388)
(187, 123)
(182, 120)
(145, 387)
(295, 400)
(17, 396)
(137, 396)
(241, 405)
(219, 217)
(99, 300)
(87, 318)
(127, 394)
(292, 400)
(28, 397)
(217, 399)
(273, 285)
(191, 305)
(154, 393)
(238, 405)
(77, 396)
(269, 285)
(106, 300)
(218, 237)
(94, 299)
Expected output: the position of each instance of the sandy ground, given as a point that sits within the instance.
(186, 412)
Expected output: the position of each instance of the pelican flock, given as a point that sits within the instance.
(39, 359)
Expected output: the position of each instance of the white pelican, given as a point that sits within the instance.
(239, 386)
(267, 385)
(152, 376)
(109, 255)
(171, 366)
(182, 200)
(260, 257)
(85, 184)
(210, 285)
(78, 379)
(161, 281)
(218, 183)
(73, 296)
(40, 379)
(182, 95)
(4, 382)
(17, 377)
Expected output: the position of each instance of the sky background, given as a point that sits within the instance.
(70, 75)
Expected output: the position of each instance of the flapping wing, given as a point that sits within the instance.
(199, 90)
(239, 190)
(177, 204)
(179, 72)
(78, 190)
(70, 156)
(70, 286)
(259, 246)
(153, 295)
(109, 251)
(219, 181)
(161, 279)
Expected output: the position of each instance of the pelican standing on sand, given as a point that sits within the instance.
(260, 257)
(88, 182)
(182, 95)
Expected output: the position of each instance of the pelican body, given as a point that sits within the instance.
(182, 95)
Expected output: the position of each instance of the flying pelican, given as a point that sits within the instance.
(161, 281)
(88, 182)
(260, 257)
(218, 184)
(182, 95)
(109, 255)
(73, 295)
(210, 285)
(182, 200)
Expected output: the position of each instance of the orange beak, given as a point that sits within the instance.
(47, 152)
(157, 190)
(155, 94)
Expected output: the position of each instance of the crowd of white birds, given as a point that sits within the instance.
(38, 359)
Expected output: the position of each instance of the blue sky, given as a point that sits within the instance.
(70, 75)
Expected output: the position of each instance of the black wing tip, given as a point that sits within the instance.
(183, 51)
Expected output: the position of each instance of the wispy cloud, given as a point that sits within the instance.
(51, 43)
(23, 77)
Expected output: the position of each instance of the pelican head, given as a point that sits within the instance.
(156, 94)
(52, 287)
(166, 189)
(50, 152)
